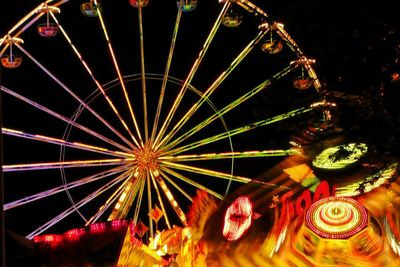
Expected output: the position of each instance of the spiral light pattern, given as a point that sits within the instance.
(336, 217)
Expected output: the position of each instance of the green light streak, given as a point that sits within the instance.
(231, 106)
(166, 73)
(339, 157)
(191, 74)
(206, 172)
(240, 130)
(213, 87)
(188, 181)
(229, 155)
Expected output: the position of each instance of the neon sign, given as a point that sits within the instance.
(305, 200)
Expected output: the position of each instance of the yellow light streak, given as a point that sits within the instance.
(160, 201)
(206, 172)
(171, 200)
(125, 91)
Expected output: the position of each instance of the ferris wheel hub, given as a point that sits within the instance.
(146, 158)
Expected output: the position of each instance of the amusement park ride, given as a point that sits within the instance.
(183, 162)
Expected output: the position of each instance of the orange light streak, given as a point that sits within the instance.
(65, 164)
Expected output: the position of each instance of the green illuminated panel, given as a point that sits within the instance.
(339, 157)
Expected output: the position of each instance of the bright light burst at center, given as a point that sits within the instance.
(146, 158)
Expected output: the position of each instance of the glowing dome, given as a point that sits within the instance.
(336, 217)
(338, 231)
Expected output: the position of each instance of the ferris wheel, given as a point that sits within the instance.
(114, 111)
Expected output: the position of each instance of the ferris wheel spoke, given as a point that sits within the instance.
(62, 188)
(143, 75)
(250, 7)
(240, 130)
(117, 69)
(230, 155)
(5, 47)
(50, 223)
(126, 199)
(99, 86)
(191, 74)
(26, 22)
(83, 103)
(160, 200)
(171, 199)
(64, 164)
(163, 173)
(233, 105)
(215, 174)
(296, 49)
(205, 97)
(166, 73)
(70, 210)
(149, 201)
(188, 181)
(61, 142)
(125, 176)
(206, 172)
(37, 17)
(63, 118)
(139, 199)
